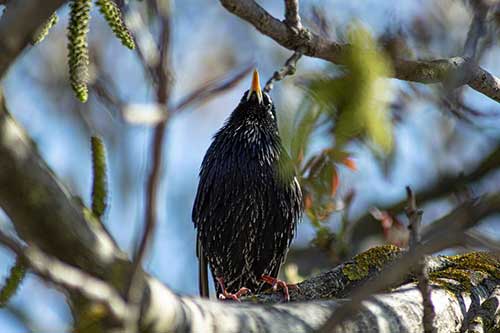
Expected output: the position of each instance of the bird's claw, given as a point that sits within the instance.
(236, 296)
(275, 283)
(227, 295)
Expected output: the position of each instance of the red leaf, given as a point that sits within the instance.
(308, 203)
(334, 182)
(349, 162)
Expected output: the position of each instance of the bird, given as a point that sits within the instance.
(248, 202)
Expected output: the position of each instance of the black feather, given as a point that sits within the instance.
(248, 201)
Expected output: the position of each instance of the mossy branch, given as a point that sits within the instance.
(114, 17)
(78, 52)
(44, 30)
(13, 281)
(99, 182)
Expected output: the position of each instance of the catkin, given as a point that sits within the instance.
(115, 21)
(78, 52)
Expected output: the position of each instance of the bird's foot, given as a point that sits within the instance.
(275, 283)
(227, 295)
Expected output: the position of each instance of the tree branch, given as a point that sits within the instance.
(160, 307)
(162, 72)
(422, 272)
(447, 232)
(18, 25)
(444, 186)
(292, 17)
(477, 28)
(401, 310)
(287, 69)
(434, 71)
(41, 209)
(68, 277)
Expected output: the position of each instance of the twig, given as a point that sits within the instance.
(162, 94)
(292, 17)
(474, 238)
(155, 113)
(69, 277)
(449, 184)
(292, 20)
(162, 75)
(415, 219)
(210, 89)
(477, 28)
(433, 71)
(287, 69)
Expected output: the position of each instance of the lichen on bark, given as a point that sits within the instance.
(372, 259)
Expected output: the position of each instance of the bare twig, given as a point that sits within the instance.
(212, 88)
(292, 17)
(415, 219)
(434, 71)
(287, 69)
(292, 20)
(477, 28)
(448, 184)
(162, 77)
(475, 239)
(152, 114)
(162, 93)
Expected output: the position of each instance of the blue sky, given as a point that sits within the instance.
(206, 42)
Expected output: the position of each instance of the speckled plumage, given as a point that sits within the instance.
(248, 201)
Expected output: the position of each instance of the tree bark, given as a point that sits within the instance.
(80, 257)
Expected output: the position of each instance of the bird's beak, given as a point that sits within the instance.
(255, 87)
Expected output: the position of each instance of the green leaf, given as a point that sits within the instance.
(356, 99)
(304, 125)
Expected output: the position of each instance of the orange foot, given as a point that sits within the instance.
(275, 283)
(227, 295)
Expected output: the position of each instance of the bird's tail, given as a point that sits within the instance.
(202, 272)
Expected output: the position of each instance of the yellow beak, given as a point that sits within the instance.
(255, 87)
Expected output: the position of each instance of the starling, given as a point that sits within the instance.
(248, 201)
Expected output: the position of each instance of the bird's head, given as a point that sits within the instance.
(255, 102)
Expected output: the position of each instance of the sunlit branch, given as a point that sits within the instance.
(434, 71)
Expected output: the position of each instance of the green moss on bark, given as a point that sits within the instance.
(372, 259)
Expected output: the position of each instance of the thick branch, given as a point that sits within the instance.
(459, 70)
(401, 311)
(64, 230)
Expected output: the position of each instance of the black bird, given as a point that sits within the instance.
(248, 201)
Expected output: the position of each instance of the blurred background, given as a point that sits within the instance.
(446, 146)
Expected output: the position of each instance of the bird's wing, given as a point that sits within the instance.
(202, 271)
